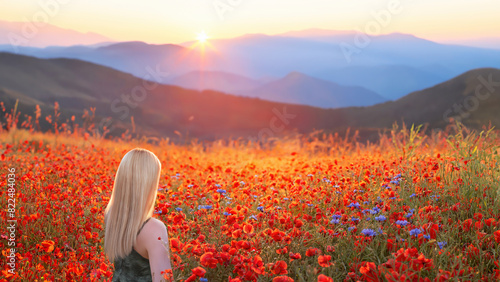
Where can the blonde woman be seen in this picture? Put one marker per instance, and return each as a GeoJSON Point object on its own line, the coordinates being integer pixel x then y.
{"type": "Point", "coordinates": [132, 236]}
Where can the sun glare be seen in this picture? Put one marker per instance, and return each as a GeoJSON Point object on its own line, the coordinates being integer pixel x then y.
{"type": "Point", "coordinates": [202, 37]}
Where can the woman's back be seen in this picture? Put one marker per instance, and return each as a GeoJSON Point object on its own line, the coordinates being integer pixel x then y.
{"type": "Point", "coordinates": [133, 267]}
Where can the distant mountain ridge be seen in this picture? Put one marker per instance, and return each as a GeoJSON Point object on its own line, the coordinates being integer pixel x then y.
{"type": "Point", "coordinates": [298, 88]}
{"type": "Point", "coordinates": [394, 81]}
{"type": "Point", "coordinates": [13, 33]}
{"type": "Point", "coordinates": [215, 80]}
{"type": "Point", "coordinates": [294, 88]}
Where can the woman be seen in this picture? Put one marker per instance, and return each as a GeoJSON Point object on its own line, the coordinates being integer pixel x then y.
{"type": "Point", "coordinates": [133, 240]}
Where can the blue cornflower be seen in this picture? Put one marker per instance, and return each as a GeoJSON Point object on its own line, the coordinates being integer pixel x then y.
{"type": "Point", "coordinates": [375, 210]}
{"type": "Point", "coordinates": [206, 207]}
{"type": "Point", "coordinates": [402, 222]}
{"type": "Point", "coordinates": [355, 205]}
{"type": "Point", "coordinates": [410, 213]}
{"type": "Point", "coordinates": [369, 232]}
{"type": "Point", "coordinates": [227, 213]}
{"type": "Point", "coordinates": [441, 244]}
{"type": "Point", "coordinates": [260, 209]}
{"type": "Point", "coordinates": [428, 237]}
{"type": "Point", "coordinates": [222, 191]}
{"type": "Point", "coordinates": [368, 218]}
{"type": "Point", "coordinates": [354, 219]}
{"type": "Point", "coordinates": [178, 209]}
{"type": "Point", "coordinates": [218, 185]}
{"type": "Point", "coordinates": [415, 232]}
{"type": "Point", "coordinates": [350, 228]}
{"type": "Point", "coordinates": [380, 218]}
{"type": "Point", "coordinates": [203, 279]}
{"type": "Point", "coordinates": [242, 182]}
{"type": "Point", "coordinates": [412, 195]}
{"type": "Point", "coordinates": [335, 221]}
{"type": "Point", "coordinates": [253, 217]}
{"type": "Point", "coordinates": [337, 216]}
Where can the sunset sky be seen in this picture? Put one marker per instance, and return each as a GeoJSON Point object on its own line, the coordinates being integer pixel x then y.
{"type": "Point", "coordinates": [176, 21]}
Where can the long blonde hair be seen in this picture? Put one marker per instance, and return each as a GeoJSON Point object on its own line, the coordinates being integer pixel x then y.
{"type": "Point", "coordinates": [132, 201]}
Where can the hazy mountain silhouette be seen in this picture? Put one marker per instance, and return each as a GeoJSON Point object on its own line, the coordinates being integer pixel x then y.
{"type": "Point", "coordinates": [298, 88]}
{"type": "Point", "coordinates": [32, 34]}
{"type": "Point", "coordinates": [215, 80]}
{"type": "Point", "coordinates": [393, 81]}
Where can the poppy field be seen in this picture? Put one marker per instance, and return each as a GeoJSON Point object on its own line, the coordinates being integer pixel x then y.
{"type": "Point", "coordinates": [411, 207]}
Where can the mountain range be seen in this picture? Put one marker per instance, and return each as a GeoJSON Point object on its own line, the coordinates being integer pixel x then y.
{"type": "Point", "coordinates": [391, 65]}
{"type": "Point", "coordinates": [163, 110]}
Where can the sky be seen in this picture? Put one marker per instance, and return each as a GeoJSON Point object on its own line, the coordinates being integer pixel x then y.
{"type": "Point", "coordinates": [177, 21]}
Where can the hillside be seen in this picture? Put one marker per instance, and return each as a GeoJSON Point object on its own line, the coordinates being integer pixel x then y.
{"type": "Point", "coordinates": [77, 85]}
{"type": "Point", "coordinates": [472, 97]}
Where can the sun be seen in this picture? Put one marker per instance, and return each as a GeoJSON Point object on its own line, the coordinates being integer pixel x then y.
{"type": "Point", "coordinates": [202, 37]}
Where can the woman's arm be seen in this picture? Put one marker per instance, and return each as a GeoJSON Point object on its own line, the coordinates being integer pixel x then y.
{"type": "Point", "coordinates": [158, 250]}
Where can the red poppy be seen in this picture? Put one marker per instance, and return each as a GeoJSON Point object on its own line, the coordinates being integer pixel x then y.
{"type": "Point", "coordinates": [312, 252]}
{"type": "Point", "coordinates": [325, 260]}
{"type": "Point", "coordinates": [279, 267]}
{"type": "Point", "coordinates": [208, 260]}
{"type": "Point", "coordinates": [47, 246]}
{"type": "Point", "coordinates": [282, 279]}
{"type": "Point", "coordinates": [324, 278]}
{"type": "Point", "coordinates": [199, 271]}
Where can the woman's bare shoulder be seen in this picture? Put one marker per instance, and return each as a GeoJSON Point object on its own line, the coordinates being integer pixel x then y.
{"type": "Point", "coordinates": [157, 224]}
{"type": "Point", "coordinates": [154, 227]}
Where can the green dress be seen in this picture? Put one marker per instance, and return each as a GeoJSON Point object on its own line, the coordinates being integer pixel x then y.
{"type": "Point", "coordinates": [133, 267]}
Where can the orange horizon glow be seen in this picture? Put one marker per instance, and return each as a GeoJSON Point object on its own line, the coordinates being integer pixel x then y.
{"type": "Point", "coordinates": [158, 22]}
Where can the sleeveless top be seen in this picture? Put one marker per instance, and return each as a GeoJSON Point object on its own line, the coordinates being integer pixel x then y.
{"type": "Point", "coordinates": [133, 267]}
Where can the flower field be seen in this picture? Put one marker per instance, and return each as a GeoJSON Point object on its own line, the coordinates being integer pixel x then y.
{"type": "Point", "coordinates": [318, 208]}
